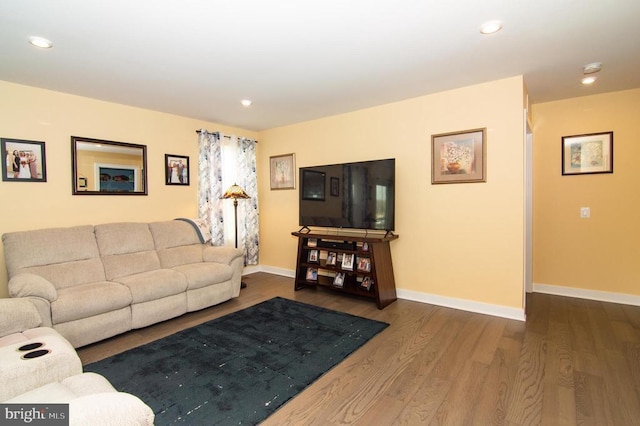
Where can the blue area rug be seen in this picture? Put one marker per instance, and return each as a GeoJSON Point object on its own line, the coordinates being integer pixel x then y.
{"type": "Point", "coordinates": [240, 368]}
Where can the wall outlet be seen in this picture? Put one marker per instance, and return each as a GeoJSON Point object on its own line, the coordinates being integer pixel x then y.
{"type": "Point", "coordinates": [585, 212]}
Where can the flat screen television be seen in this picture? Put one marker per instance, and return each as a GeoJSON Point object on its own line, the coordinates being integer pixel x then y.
{"type": "Point", "coordinates": [358, 195]}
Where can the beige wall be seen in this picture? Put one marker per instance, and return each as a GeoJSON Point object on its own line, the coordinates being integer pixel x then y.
{"type": "Point", "coordinates": [41, 115]}
{"type": "Point", "coordinates": [600, 253]}
{"type": "Point", "coordinates": [462, 241]}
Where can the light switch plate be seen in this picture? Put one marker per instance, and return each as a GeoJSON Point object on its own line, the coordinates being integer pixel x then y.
{"type": "Point", "coordinates": [585, 212]}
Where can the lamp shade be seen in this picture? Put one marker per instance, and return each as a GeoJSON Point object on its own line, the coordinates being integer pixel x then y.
{"type": "Point", "coordinates": [235, 191]}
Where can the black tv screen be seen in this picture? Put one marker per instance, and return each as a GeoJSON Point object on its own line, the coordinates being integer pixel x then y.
{"type": "Point", "coordinates": [350, 195]}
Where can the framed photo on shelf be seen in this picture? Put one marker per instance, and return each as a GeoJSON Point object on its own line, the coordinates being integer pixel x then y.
{"type": "Point", "coordinates": [347, 261]}
{"type": "Point", "coordinates": [312, 242]}
{"type": "Point", "coordinates": [364, 264]}
{"type": "Point", "coordinates": [313, 256]}
{"type": "Point", "coordinates": [176, 169]}
{"type": "Point", "coordinates": [459, 157]}
{"type": "Point", "coordinates": [282, 170]}
{"type": "Point", "coordinates": [24, 162]}
{"type": "Point", "coordinates": [367, 282]}
{"type": "Point", "coordinates": [587, 154]}
{"type": "Point", "coordinates": [338, 280]}
{"type": "Point", "coordinates": [331, 258]}
{"type": "Point", "coordinates": [312, 274]}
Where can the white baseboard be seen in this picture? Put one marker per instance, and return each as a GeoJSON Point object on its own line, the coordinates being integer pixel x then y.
{"type": "Point", "coordinates": [463, 305]}
{"type": "Point", "coordinates": [581, 293]}
{"type": "Point", "coordinates": [449, 302]}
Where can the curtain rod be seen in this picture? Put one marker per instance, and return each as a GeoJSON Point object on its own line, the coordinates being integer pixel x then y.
{"type": "Point", "coordinates": [218, 135]}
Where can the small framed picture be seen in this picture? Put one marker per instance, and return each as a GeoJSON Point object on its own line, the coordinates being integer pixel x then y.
{"type": "Point", "coordinates": [459, 157]}
{"type": "Point", "coordinates": [282, 170]}
{"type": "Point", "coordinates": [331, 258]}
{"type": "Point", "coordinates": [338, 280]}
{"type": "Point", "coordinates": [313, 256]}
{"type": "Point", "coordinates": [364, 264]}
{"type": "Point", "coordinates": [367, 282]}
{"type": "Point", "coordinates": [587, 154]}
{"type": "Point", "coordinates": [312, 242]}
{"type": "Point", "coordinates": [312, 274]}
{"type": "Point", "coordinates": [176, 169]}
{"type": "Point", "coordinates": [25, 161]}
{"type": "Point", "coordinates": [347, 261]}
{"type": "Point", "coordinates": [335, 187]}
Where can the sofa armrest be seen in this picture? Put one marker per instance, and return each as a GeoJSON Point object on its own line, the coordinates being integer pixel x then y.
{"type": "Point", "coordinates": [221, 254]}
{"type": "Point", "coordinates": [17, 315]}
{"type": "Point", "coordinates": [109, 408]}
{"type": "Point", "coordinates": [27, 284]}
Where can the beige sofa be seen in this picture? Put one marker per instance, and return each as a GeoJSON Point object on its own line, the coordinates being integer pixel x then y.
{"type": "Point", "coordinates": [93, 282]}
{"type": "Point", "coordinates": [38, 366]}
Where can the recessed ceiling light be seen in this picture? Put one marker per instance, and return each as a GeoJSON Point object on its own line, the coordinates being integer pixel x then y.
{"type": "Point", "coordinates": [589, 80]}
{"type": "Point", "coordinates": [491, 27]}
{"type": "Point", "coordinates": [246, 102]}
{"type": "Point", "coordinates": [41, 42]}
{"type": "Point", "coordinates": [592, 68]}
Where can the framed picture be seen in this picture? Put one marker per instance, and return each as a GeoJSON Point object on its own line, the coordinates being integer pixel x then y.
{"type": "Point", "coordinates": [312, 274]}
{"type": "Point", "coordinates": [335, 187]}
{"type": "Point", "coordinates": [282, 171]}
{"type": "Point", "coordinates": [587, 154]}
{"type": "Point", "coordinates": [364, 264]}
{"type": "Point", "coordinates": [176, 169]}
{"type": "Point", "coordinates": [25, 161]}
{"type": "Point", "coordinates": [459, 157]}
{"type": "Point", "coordinates": [313, 185]}
{"type": "Point", "coordinates": [347, 261]}
{"type": "Point", "coordinates": [331, 258]}
{"type": "Point", "coordinates": [313, 256]}
{"type": "Point", "coordinates": [338, 280]}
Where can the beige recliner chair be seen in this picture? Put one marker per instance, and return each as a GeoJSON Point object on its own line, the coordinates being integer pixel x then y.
{"type": "Point", "coordinates": [38, 366]}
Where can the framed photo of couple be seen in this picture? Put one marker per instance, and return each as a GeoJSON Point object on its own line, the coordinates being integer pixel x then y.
{"type": "Point", "coordinates": [176, 169]}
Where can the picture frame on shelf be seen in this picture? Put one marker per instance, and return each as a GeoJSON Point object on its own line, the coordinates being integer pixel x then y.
{"type": "Point", "coordinates": [25, 161]}
{"type": "Point", "coordinates": [459, 157]}
{"type": "Point", "coordinates": [176, 169]}
{"type": "Point", "coordinates": [282, 170]}
{"type": "Point", "coordinates": [367, 282]}
{"type": "Point", "coordinates": [347, 261]}
{"type": "Point", "coordinates": [312, 274]}
{"type": "Point", "coordinates": [338, 280]}
{"type": "Point", "coordinates": [313, 256]}
{"type": "Point", "coordinates": [331, 258]}
{"type": "Point", "coordinates": [312, 242]}
{"type": "Point", "coordinates": [364, 264]}
{"type": "Point", "coordinates": [590, 153]}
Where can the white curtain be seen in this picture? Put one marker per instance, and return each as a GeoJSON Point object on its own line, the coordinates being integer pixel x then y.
{"type": "Point", "coordinates": [234, 161]}
{"type": "Point", "coordinates": [210, 185]}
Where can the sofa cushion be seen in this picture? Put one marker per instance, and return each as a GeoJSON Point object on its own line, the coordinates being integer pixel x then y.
{"type": "Point", "coordinates": [25, 249]}
{"type": "Point", "coordinates": [173, 233]}
{"type": "Point", "coordinates": [154, 285]}
{"type": "Point", "coordinates": [182, 255]}
{"type": "Point", "coordinates": [87, 300]}
{"type": "Point", "coordinates": [69, 274]}
{"type": "Point", "coordinates": [126, 249]}
{"type": "Point", "coordinates": [204, 274]}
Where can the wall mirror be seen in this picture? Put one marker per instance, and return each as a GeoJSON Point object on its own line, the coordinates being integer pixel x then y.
{"type": "Point", "coordinates": [102, 167]}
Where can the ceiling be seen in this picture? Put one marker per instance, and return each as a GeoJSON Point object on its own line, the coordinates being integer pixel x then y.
{"type": "Point", "coordinates": [300, 60]}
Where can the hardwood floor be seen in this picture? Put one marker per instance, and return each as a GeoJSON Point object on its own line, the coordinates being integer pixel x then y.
{"type": "Point", "coordinates": [574, 362]}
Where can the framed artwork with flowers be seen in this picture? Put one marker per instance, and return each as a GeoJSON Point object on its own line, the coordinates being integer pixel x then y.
{"type": "Point", "coordinates": [587, 154]}
{"type": "Point", "coordinates": [459, 157]}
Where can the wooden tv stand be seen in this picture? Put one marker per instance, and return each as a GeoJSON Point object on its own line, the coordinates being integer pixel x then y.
{"type": "Point", "coordinates": [371, 271]}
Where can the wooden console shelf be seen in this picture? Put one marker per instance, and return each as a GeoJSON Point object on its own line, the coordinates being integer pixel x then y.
{"type": "Point", "coordinates": [349, 264]}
